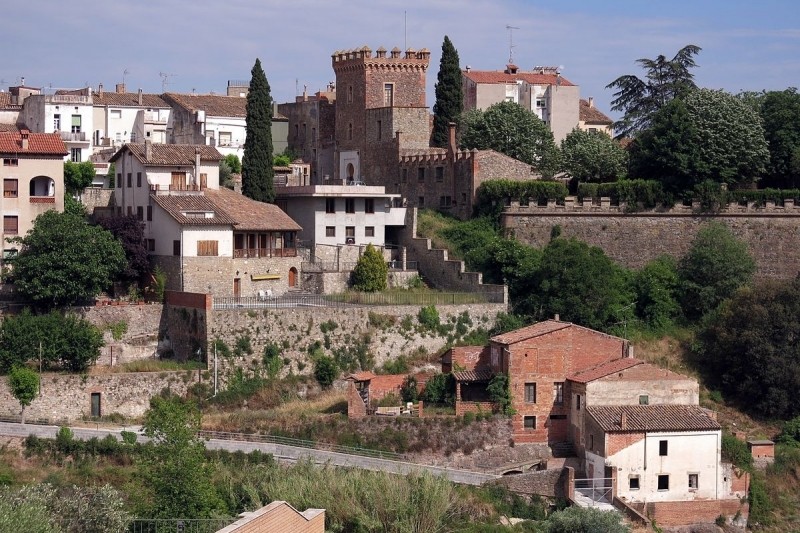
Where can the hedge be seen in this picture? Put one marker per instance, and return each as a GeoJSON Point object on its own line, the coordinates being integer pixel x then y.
{"type": "Point", "coordinates": [493, 195]}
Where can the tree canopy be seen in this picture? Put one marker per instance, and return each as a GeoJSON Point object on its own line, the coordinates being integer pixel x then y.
{"type": "Point", "coordinates": [449, 94]}
{"type": "Point", "coordinates": [371, 271]}
{"type": "Point", "coordinates": [257, 173]}
{"type": "Point", "coordinates": [129, 231]}
{"type": "Point", "coordinates": [665, 79]}
{"type": "Point", "coordinates": [780, 111]}
{"type": "Point", "coordinates": [78, 176]}
{"type": "Point", "coordinates": [64, 260]}
{"type": "Point", "coordinates": [24, 385]}
{"type": "Point", "coordinates": [514, 131]}
{"type": "Point", "coordinates": [593, 156]}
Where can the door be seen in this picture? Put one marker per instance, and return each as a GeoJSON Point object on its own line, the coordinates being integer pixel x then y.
{"type": "Point", "coordinates": [178, 181]}
{"type": "Point", "coordinates": [95, 404]}
{"type": "Point", "coordinates": [237, 287]}
{"type": "Point", "coordinates": [293, 277]}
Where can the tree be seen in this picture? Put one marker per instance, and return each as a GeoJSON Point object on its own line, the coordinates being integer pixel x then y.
{"type": "Point", "coordinates": [232, 160]}
{"type": "Point", "coordinates": [325, 371]}
{"type": "Point", "coordinates": [449, 95]}
{"type": "Point", "coordinates": [513, 130]}
{"type": "Point", "coordinates": [656, 286]}
{"type": "Point", "coordinates": [174, 466]}
{"type": "Point", "coordinates": [78, 176]}
{"type": "Point", "coordinates": [593, 156]}
{"type": "Point", "coordinates": [257, 173]}
{"type": "Point", "coordinates": [584, 520]}
{"type": "Point", "coordinates": [780, 112]}
{"type": "Point", "coordinates": [129, 231]}
{"type": "Point", "coordinates": [64, 260]}
{"type": "Point", "coordinates": [24, 385]}
{"type": "Point", "coordinates": [748, 349]}
{"type": "Point", "coordinates": [639, 99]}
{"type": "Point", "coordinates": [371, 271]}
{"type": "Point", "coordinates": [716, 265]}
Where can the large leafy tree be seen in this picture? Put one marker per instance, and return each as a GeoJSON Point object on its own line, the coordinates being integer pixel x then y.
{"type": "Point", "coordinates": [780, 111]}
{"type": "Point", "coordinates": [24, 384]}
{"type": "Point", "coordinates": [513, 130]}
{"type": "Point", "coordinates": [175, 466]}
{"type": "Point", "coordinates": [664, 80]}
{"type": "Point", "coordinates": [449, 94]}
{"type": "Point", "coordinates": [257, 173]}
{"type": "Point", "coordinates": [129, 231]}
{"type": "Point", "coordinates": [64, 260]}
{"type": "Point", "coordinates": [78, 176]}
{"type": "Point", "coordinates": [593, 156]}
{"type": "Point", "coordinates": [716, 265]}
{"type": "Point", "coordinates": [656, 286]}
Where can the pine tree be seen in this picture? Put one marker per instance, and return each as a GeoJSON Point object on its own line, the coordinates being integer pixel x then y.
{"type": "Point", "coordinates": [449, 94]}
{"type": "Point", "coordinates": [257, 173]}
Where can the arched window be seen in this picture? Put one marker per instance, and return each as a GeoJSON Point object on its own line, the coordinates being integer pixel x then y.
{"type": "Point", "coordinates": [350, 171]}
{"type": "Point", "coordinates": [42, 186]}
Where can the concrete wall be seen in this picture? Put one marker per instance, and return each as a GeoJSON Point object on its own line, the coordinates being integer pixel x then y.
{"type": "Point", "coordinates": [634, 239]}
{"type": "Point", "coordinates": [627, 392]}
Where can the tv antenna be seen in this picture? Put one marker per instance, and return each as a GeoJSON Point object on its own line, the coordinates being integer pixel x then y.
{"type": "Point", "coordinates": [511, 43]}
{"type": "Point", "coordinates": [165, 80]}
{"type": "Point", "coordinates": [124, 73]}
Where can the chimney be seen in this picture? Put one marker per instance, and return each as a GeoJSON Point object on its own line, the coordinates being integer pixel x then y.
{"type": "Point", "coordinates": [591, 102]}
{"type": "Point", "coordinates": [24, 135]}
{"type": "Point", "coordinates": [120, 88]}
{"type": "Point", "coordinates": [557, 317]}
{"type": "Point", "coordinates": [197, 162]}
{"type": "Point", "coordinates": [623, 420]}
{"type": "Point", "coordinates": [451, 145]}
{"type": "Point", "coordinates": [140, 97]}
{"type": "Point", "coordinates": [148, 150]}
{"type": "Point", "coordinates": [100, 90]}
{"type": "Point", "coordinates": [305, 93]}
{"type": "Point", "coordinates": [22, 81]}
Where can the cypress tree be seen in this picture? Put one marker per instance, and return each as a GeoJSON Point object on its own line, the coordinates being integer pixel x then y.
{"type": "Point", "coordinates": [257, 173]}
{"type": "Point", "coordinates": [449, 94]}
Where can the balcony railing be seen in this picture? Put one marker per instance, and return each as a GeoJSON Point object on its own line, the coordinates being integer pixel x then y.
{"type": "Point", "coordinates": [43, 199]}
{"type": "Point", "coordinates": [155, 187]}
{"type": "Point", "coordinates": [153, 118]}
{"type": "Point", "coordinates": [69, 136]}
{"type": "Point", "coordinates": [251, 253]}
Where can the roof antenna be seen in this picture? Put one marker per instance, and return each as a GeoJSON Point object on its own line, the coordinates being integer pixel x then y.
{"type": "Point", "coordinates": [165, 80]}
{"type": "Point", "coordinates": [405, 30]}
{"type": "Point", "coordinates": [511, 43]}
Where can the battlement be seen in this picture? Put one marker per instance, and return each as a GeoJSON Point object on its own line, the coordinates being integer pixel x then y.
{"type": "Point", "coordinates": [432, 156]}
{"type": "Point", "coordinates": [363, 58]}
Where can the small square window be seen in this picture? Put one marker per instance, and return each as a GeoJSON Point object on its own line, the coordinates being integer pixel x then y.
{"type": "Point", "coordinates": [421, 174]}
{"type": "Point", "coordinates": [350, 205]}
{"type": "Point", "coordinates": [330, 231]}
{"type": "Point", "coordinates": [693, 481]}
{"type": "Point", "coordinates": [662, 448]}
{"type": "Point", "coordinates": [529, 422]}
{"type": "Point", "coordinates": [530, 393]}
{"type": "Point", "coordinates": [369, 205]}
{"type": "Point", "coordinates": [663, 482]}
{"type": "Point", "coordinates": [369, 231]}
{"type": "Point", "coordinates": [350, 231]}
{"type": "Point", "coordinates": [330, 205]}
{"type": "Point", "coordinates": [633, 483]}
{"type": "Point", "coordinates": [644, 399]}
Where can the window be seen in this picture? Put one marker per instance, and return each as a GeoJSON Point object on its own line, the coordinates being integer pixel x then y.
{"type": "Point", "coordinates": [591, 441]}
{"type": "Point", "coordinates": [644, 399]}
{"type": "Point", "coordinates": [149, 213]}
{"type": "Point", "coordinates": [95, 401]}
{"type": "Point", "coordinates": [663, 482]}
{"type": "Point", "coordinates": [421, 201]}
{"type": "Point", "coordinates": [57, 122]}
{"type": "Point", "coordinates": [529, 422]}
{"type": "Point", "coordinates": [330, 205]}
{"type": "Point", "coordinates": [313, 136]}
{"type": "Point", "coordinates": [633, 483]}
{"type": "Point", "coordinates": [578, 402]}
{"type": "Point", "coordinates": [130, 210]}
{"type": "Point", "coordinates": [662, 448]}
{"type": "Point", "coordinates": [404, 176]}
{"type": "Point", "coordinates": [206, 248]}
{"type": "Point", "coordinates": [369, 231]}
{"type": "Point", "coordinates": [558, 392]}
{"type": "Point", "coordinates": [439, 174]}
{"type": "Point", "coordinates": [130, 178]}
{"type": "Point", "coordinates": [75, 155]}
{"type": "Point", "coordinates": [693, 479]}
{"type": "Point", "coordinates": [530, 392]}
{"type": "Point", "coordinates": [369, 205]}
{"type": "Point", "coordinates": [350, 131]}
{"type": "Point", "coordinates": [151, 245]}
{"type": "Point", "coordinates": [139, 213]}
{"type": "Point", "coordinates": [350, 205]}
{"type": "Point", "coordinates": [558, 417]}
{"type": "Point", "coordinates": [421, 174]}
{"type": "Point", "coordinates": [10, 188]}
{"type": "Point", "coordinates": [350, 94]}
{"type": "Point", "coordinates": [138, 179]}
{"type": "Point", "coordinates": [541, 103]}
{"type": "Point", "coordinates": [388, 94]}
{"type": "Point", "coordinates": [592, 129]}
{"type": "Point", "coordinates": [10, 224]}
{"type": "Point", "coordinates": [330, 231]}
{"type": "Point", "coordinates": [118, 181]}
{"type": "Point", "coordinates": [224, 138]}
{"type": "Point", "coordinates": [350, 231]}
{"type": "Point", "coordinates": [10, 162]}
{"type": "Point", "coordinates": [297, 130]}
{"type": "Point", "coordinates": [445, 201]}
{"type": "Point", "coordinates": [176, 247]}
{"type": "Point", "coordinates": [116, 113]}
{"type": "Point", "coordinates": [76, 124]}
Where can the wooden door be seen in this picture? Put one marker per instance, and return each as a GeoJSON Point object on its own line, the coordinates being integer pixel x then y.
{"type": "Point", "coordinates": [237, 287]}
{"type": "Point", "coordinates": [178, 181]}
{"type": "Point", "coordinates": [96, 405]}
{"type": "Point", "coordinates": [293, 277]}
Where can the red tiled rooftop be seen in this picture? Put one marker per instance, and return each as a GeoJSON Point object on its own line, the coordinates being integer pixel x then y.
{"type": "Point", "coordinates": [605, 369]}
{"type": "Point", "coordinates": [501, 76]}
{"type": "Point", "coordinates": [166, 155]}
{"type": "Point", "coordinates": [250, 214]}
{"type": "Point", "coordinates": [534, 330]}
{"type": "Point", "coordinates": [177, 205]}
{"type": "Point", "coordinates": [214, 105]}
{"type": "Point", "coordinates": [653, 418]}
{"type": "Point", "coordinates": [480, 374]}
{"type": "Point", "coordinates": [38, 144]}
{"type": "Point", "coordinates": [592, 115]}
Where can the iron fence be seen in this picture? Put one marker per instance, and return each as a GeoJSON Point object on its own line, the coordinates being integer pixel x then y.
{"type": "Point", "coordinates": [355, 299]}
{"type": "Point", "coordinates": [179, 525]}
{"type": "Point", "coordinates": [347, 266]}
{"type": "Point", "coordinates": [595, 489]}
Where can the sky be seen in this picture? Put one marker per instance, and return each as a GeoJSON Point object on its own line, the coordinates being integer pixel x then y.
{"type": "Point", "coordinates": [186, 45]}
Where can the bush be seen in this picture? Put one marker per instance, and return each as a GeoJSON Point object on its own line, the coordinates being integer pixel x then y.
{"type": "Point", "coordinates": [428, 317]}
{"type": "Point", "coordinates": [439, 389]}
{"type": "Point", "coordinates": [409, 391]}
{"type": "Point", "coordinates": [500, 393]}
{"type": "Point", "coordinates": [272, 360]}
{"type": "Point", "coordinates": [736, 451]}
{"type": "Point", "coordinates": [371, 271]}
{"type": "Point", "coordinates": [646, 194]}
{"type": "Point", "coordinates": [493, 195]}
{"type": "Point", "coordinates": [325, 371]}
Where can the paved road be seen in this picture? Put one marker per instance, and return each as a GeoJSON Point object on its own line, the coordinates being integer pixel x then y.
{"type": "Point", "coordinates": [280, 451]}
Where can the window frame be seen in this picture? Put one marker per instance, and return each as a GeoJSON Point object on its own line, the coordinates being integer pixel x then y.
{"type": "Point", "coordinates": [369, 205]}
{"type": "Point", "coordinates": [10, 188]}
{"type": "Point", "coordinates": [638, 483]}
{"type": "Point", "coordinates": [529, 426]}
{"type": "Point", "coordinates": [530, 392]}
{"type": "Point", "coordinates": [330, 231]}
{"type": "Point", "coordinates": [694, 477]}
{"type": "Point", "coordinates": [558, 392]}
{"type": "Point", "coordinates": [369, 231]}
{"type": "Point", "coordinates": [663, 482]}
{"type": "Point", "coordinates": [663, 448]}
{"type": "Point", "coordinates": [330, 206]}
{"type": "Point", "coordinates": [350, 205]}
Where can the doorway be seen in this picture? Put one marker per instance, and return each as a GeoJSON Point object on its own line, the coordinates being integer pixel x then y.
{"type": "Point", "coordinates": [96, 405]}
{"type": "Point", "coordinates": [293, 277]}
{"type": "Point", "coordinates": [237, 287]}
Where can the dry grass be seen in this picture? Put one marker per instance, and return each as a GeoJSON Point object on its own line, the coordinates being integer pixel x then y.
{"type": "Point", "coordinates": [147, 365]}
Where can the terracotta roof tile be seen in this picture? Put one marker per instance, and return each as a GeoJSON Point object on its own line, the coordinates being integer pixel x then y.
{"type": "Point", "coordinates": [249, 214]}
{"type": "Point", "coordinates": [38, 144]}
{"type": "Point", "coordinates": [166, 155]}
{"type": "Point", "coordinates": [646, 372]}
{"type": "Point", "coordinates": [592, 115]}
{"type": "Point", "coordinates": [128, 100]}
{"type": "Point", "coordinates": [479, 374]}
{"type": "Point", "coordinates": [605, 369]}
{"type": "Point", "coordinates": [214, 105]}
{"type": "Point", "coordinates": [8, 127]}
{"type": "Point", "coordinates": [361, 376]}
{"type": "Point", "coordinates": [500, 76]}
{"type": "Point", "coordinates": [534, 330]}
{"type": "Point", "coordinates": [653, 418]}
{"type": "Point", "coordinates": [177, 205]}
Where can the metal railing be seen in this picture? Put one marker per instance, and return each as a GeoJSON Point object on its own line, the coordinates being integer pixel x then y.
{"type": "Point", "coordinates": [595, 489]}
{"type": "Point", "coordinates": [346, 266]}
{"type": "Point", "coordinates": [179, 525]}
{"type": "Point", "coordinates": [355, 299]}
{"type": "Point", "coordinates": [241, 253]}
{"type": "Point", "coordinates": [78, 136]}
{"type": "Point", "coordinates": [299, 443]}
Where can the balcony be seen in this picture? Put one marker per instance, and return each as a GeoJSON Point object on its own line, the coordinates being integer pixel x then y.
{"type": "Point", "coordinates": [43, 199]}
{"type": "Point", "coordinates": [74, 137]}
{"type": "Point", "coordinates": [253, 253]}
{"type": "Point", "coordinates": [167, 189]}
{"type": "Point", "coordinates": [153, 118]}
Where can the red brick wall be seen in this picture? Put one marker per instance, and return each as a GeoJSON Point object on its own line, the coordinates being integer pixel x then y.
{"type": "Point", "coordinates": [619, 441]}
{"type": "Point", "coordinates": [692, 512]}
{"type": "Point", "coordinates": [473, 407]}
{"type": "Point", "coordinates": [355, 404]}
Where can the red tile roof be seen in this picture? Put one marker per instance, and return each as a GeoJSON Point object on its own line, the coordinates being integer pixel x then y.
{"type": "Point", "coordinates": [361, 376]}
{"type": "Point", "coordinates": [167, 155]}
{"type": "Point", "coordinates": [500, 76]}
{"type": "Point", "coordinates": [249, 214]}
{"type": "Point", "coordinates": [214, 105]}
{"type": "Point", "coordinates": [603, 370]}
{"type": "Point", "coordinates": [534, 330]}
{"type": "Point", "coordinates": [128, 100]}
{"type": "Point", "coordinates": [653, 418]}
{"type": "Point", "coordinates": [38, 144]}
{"type": "Point", "coordinates": [592, 115]}
{"type": "Point", "coordinates": [177, 205]}
{"type": "Point", "coordinates": [479, 374]}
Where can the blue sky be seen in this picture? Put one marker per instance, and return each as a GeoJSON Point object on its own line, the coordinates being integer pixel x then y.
{"type": "Point", "coordinates": [200, 44]}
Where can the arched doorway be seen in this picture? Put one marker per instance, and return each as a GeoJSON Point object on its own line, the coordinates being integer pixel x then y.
{"type": "Point", "coordinates": [293, 277]}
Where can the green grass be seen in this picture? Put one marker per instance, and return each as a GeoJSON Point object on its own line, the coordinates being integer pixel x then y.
{"type": "Point", "coordinates": [159, 365]}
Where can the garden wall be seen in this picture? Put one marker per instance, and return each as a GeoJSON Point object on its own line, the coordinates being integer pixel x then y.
{"type": "Point", "coordinates": [138, 329]}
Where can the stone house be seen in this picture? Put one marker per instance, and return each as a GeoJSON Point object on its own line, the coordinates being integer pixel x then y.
{"type": "Point", "coordinates": [592, 119]}
{"type": "Point", "coordinates": [312, 123]}
{"type": "Point", "coordinates": [206, 238]}
{"type": "Point", "coordinates": [33, 180]}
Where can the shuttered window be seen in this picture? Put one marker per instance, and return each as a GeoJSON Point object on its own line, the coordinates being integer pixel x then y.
{"type": "Point", "coordinates": [10, 225]}
{"type": "Point", "coordinates": [206, 248]}
{"type": "Point", "coordinates": [10, 188]}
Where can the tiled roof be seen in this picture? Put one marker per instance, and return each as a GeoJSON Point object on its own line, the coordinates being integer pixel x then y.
{"type": "Point", "coordinates": [38, 143]}
{"type": "Point", "coordinates": [480, 374]}
{"type": "Point", "coordinates": [214, 105]}
{"type": "Point", "coordinates": [177, 205]}
{"type": "Point", "coordinates": [128, 100]}
{"type": "Point", "coordinates": [500, 76]}
{"type": "Point", "coordinates": [361, 376]}
{"type": "Point", "coordinates": [653, 418]}
{"type": "Point", "coordinates": [8, 127]}
{"type": "Point", "coordinates": [249, 214]}
{"type": "Point", "coordinates": [540, 328]}
{"type": "Point", "coordinates": [646, 372]}
{"type": "Point", "coordinates": [604, 370]}
{"type": "Point", "coordinates": [167, 155]}
{"type": "Point", "coordinates": [457, 352]}
{"type": "Point", "coordinates": [592, 115]}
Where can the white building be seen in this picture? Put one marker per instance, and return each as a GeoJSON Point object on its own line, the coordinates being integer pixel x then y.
{"type": "Point", "coordinates": [121, 117]}
{"type": "Point", "coordinates": [69, 115]}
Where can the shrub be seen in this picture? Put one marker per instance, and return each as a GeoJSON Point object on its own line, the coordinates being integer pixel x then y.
{"type": "Point", "coordinates": [439, 389]}
{"type": "Point", "coordinates": [736, 451]}
{"type": "Point", "coordinates": [325, 371]}
{"type": "Point", "coordinates": [243, 346]}
{"type": "Point", "coordinates": [272, 359]}
{"type": "Point", "coordinates": [409, 391]}
{"type": "Point", "coordinates": [500, 393]}
{"type": "Point", "coordinates": [371, 271]}
{"type": "Point", "coordinates": [429, 317]}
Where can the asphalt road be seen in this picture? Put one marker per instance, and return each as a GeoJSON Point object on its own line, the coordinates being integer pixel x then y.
{"type": "Point", "coordinates": [279, 451]}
